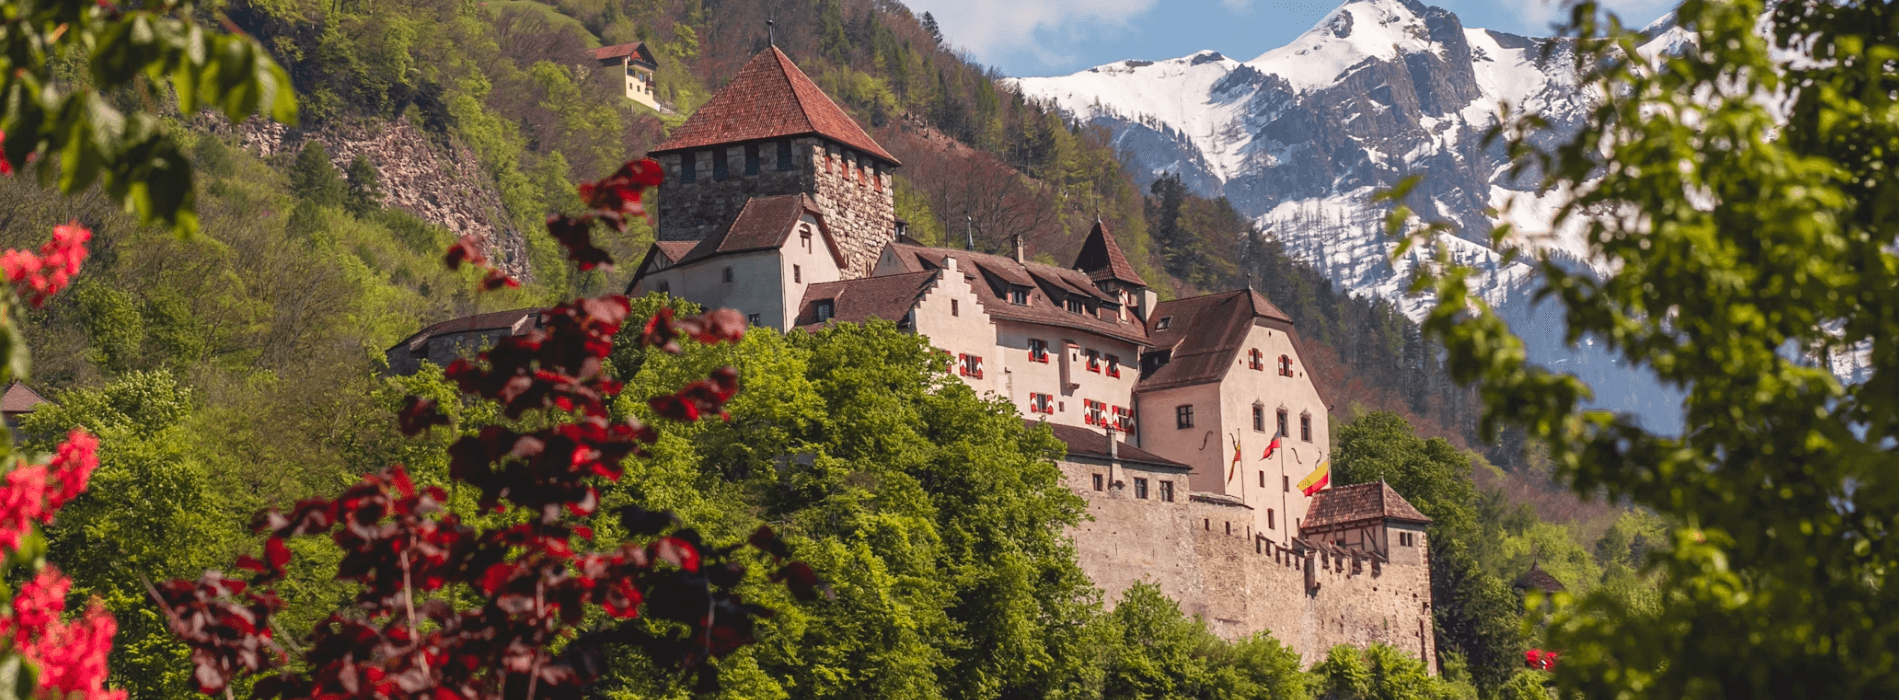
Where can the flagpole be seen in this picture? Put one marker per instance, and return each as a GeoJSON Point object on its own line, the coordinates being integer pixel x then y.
{"type": "Point", "coordinates": [1283, 501]}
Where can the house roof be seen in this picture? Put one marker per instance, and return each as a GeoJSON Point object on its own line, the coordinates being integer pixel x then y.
{"type": "Point", "coordinates": [1049, 286]}
{"type": "Point", "coordinates": [20, 398]}
{"type": "Point", "coordinates": [1539, 579]}
{"type": "Point", "coordinates": [770, 99]}
{"type": "Point", "coordinates": [1358, 503]}
{"type": "Point", "coordinates": [1091, 444]}
{"type": "Point", "coordinates": [1205, 333]}
{"type": "Point", "coordinates": [1102, 259]}
{"type": "Point", "coordinates": [516, 321]}
{"type": "Point", "coordinates": [855, 301]}
{"type": "Point", "coordinates": [635, 49]}
{"type": "Point", "coordinates": [763, 224]}
{"type": "Point", "coordinates": [675, 251]}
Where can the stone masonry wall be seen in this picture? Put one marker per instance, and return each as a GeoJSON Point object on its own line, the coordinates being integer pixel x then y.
{"type": "Point", "coordinates": [1241, 584]}
{"type": "Point", "coordinates": [852, 190]}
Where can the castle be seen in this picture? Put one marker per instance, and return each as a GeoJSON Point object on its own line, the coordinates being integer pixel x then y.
{"type": "Point", "coordinates": [777, 204]}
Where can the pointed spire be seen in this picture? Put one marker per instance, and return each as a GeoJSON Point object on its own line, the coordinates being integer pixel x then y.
{"type": "Point", "coordinates": [1101, 258]}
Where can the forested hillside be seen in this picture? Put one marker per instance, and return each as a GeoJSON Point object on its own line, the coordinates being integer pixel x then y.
{"type": "Point", "coordinates": [241, 368]}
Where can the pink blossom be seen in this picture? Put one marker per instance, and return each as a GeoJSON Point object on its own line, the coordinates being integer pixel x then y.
{"type": "Point", "coordinates": [72, 465]}
{"type": "Point", "coordinates": [72, 657]}
{"type": "Point", "coordinates": [22, 501]}
{"type": "Point", "coordinates": [36, 608]}
{"type": "Point", "coordinates": [5, 167]}
{"type": "Point", "coordinates": [41, 276]}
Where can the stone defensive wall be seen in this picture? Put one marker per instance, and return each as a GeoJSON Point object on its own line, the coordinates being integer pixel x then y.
{"type": "Point", "coordinates": [1201, 552]}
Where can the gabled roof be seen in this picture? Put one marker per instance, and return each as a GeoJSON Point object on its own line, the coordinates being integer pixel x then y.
{"type": "Point", "coordinates": [770, 99]}
{"type": "Point", "coordinates": [1540, 580]}
{"type": "Point", "coordinates": [1048, 284]}
{"type": "Point", "coordinates": [1102, 259]}
{"type": "Point", "coordinates": [512, 322]}
{"type": "Point", "coordinates": [636, 49]}
{"type": "Point", "coordinates": [1371, 501]}
{"type": "Point", "coordinates": [1091, 444]}
{"type": "Point", "coordinates": [763, 224]}
{"type": "Point", "coordinates": [855, 301]}
{"type": "Point", "coordinates": [1205, 333]}
{"type": "Point", "coordinates": [20, 398]}
{"type": "Point", "coordinates": [674, 251]}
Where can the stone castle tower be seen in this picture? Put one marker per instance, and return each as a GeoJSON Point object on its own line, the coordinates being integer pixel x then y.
{"type": "Point", "coordinates": [769, 132]}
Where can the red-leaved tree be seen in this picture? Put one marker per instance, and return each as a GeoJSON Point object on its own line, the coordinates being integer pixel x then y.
{"type": "Point", "coordinates": [447, 609]}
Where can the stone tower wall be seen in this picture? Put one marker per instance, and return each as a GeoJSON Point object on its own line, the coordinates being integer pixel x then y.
{"type": "Point", "coordinates": [852, 190]}
{"type": "Point", "coordinates": [1239, 583]}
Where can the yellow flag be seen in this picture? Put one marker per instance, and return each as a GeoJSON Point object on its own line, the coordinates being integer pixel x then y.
{"type": "Point", "coordinates": [1317, 479]}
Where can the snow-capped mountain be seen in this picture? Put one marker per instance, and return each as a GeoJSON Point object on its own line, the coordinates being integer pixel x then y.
{"type": "Point", "coordinates": [1303, 135]}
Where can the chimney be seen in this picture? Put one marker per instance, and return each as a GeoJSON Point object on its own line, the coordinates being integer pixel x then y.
{"type": "Point", "coordinates": [1017, 239]}
{"type": "Point", "coordinates": [1114, 446]}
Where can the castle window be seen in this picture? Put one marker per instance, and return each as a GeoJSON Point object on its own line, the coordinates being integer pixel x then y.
{"type": "Point", "coordinates": [784, 155]}
{"type": "Point", "coordinates": [726, 275]}
{"type": "Point", "coordinates": [1262, 479]}
{"type": "Point", "coordinates": [1124, 419]}
{"type": "Point", "coordinates": [720, 170]}
{"type": "Point", "coordinates": [1114, 366]}
{"type": "Point", "coordinates": [1285, 366]}
{"type": "Point", "coordinates": [1270, 525]}
{"type": "Point", "coordinates": [1140, 488]}
{"type": "Point", "coordinates": [825, 309]}
{"type": "Point", "coordinates": [1183, 416]}
{"type": "Point", "coordinates": [955, 308]}
{"type": "Point", "coordinates": [797, 274]}
{"type": "Point", "coordinates": [1206, 524]}
{"type": "Point", "coordinates": [751, 319]}
{"type": "Point", "coordinates": [1038, 351]}
{"type": "Point", "coordinates": [689, 167]}
{"type": "Point", "coordinates": [1256, 360]}
{"type": "Point", "coordinates": [1229, 527]}
{"type": "Point", "coordinates": [1285, 483]}
{"type": "Point", "coordinates": [1259, 418]}
{"type": "Point", "coordinates": [1074, 306]}
{"type": "Point", "coordinates": [751, 159]}
{"type": "Point", "coordinates": [1282, 421]}
{"type": "Point", "coordinates": [1097, 482]}
{"type": "Point", "coordinates": [1041, 403]}
{"type": "Point", "coordinates": [1162, 324]}
{"type": "Point", "coordinates": [1094, 361]}
{"type": "Point", "coordinates": [664, 287]}
{"type": "Point", "coordinates": [1305, 427]}
{"type": "Point", "coordinates": [1018, 296]}
{"type": "Point", "coordinates": [1167, 491]}
{"type": "Point", "coordinates": [804, 236]}
{"type": "Point", "coordinates": [971, 366]}
{"type": "Point", "coordinates": [1092, 412]}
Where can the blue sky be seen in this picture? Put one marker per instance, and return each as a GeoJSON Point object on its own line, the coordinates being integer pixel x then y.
{"type": "Point", "coordinates": [1058, 37]}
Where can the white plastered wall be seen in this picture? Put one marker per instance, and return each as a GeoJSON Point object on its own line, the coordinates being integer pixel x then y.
{"type": "Point", "coordinates": [966, 331]}
{"type": "Point", "coordinates": [813, 263]}
{"type": "Point", "coordinates": [1297, 457]}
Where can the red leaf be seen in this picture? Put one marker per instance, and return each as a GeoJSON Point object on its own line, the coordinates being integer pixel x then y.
{"type": "Point", "coordinates": [276, 553]}
{"type": "Point", "coordinates": [419, 414]}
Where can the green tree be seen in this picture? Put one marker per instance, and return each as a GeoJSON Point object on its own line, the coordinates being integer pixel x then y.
{"type": "Point", "coordinates": [365, 187]}
{"type": "Point", "coordinates": [313, 177]}
{"type": "Point", "coordinates": [1741, 190]}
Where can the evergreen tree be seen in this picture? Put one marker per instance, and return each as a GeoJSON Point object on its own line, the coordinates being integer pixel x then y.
{"type": "Point", "coordinates": [365, 188]}
{"type": "Point", "coordinates": [313, 177]}
{"type": "Point", "coordinates": [929, 25]}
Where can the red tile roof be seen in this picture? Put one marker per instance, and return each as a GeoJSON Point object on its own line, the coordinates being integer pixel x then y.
{"type": "Point", "coordinates": [763, 224]}
{"type": "Point", "coordinates": [770, 99]}
{"type": "Point", "coordinates": [890, 298]}
{"type": "Point", "coordinates": [635, 49]}
{"type": "Point", "coordinates": [1359, 503]}
{"type": "Point", "coordinates": [1049, 285]}
{"type": "Point", "coordinates": [675, 250]}
{"type": "Point", "coordinates": [20, 398]}
{"type": "Point", "coordinates": [1540, 580]}
{"type": "Point", "coordinates": [1205, 333]}
{"type": "Point", "coordinates": [1102, 259]}
{"type": "Point", "coordinates": [1083, 442]}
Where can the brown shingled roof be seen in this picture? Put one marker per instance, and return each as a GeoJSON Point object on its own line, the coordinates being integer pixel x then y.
{"type": "Point", "coordinates": [1205, 333]}
{"type": "Point", "coordinates": [1539, 579]}
{"type": "Point", "coordinates": [763, 224]}
{"type": "Point", "coordinates": [1359, 502]}
{"type": "Point", "coordinates": [1102, 259]}
{"type": "Point", "coordinates": [1083, 442]}
{"type": "Point", "coordinates": [770, 99]}
{"type": "Point", "coordinates": [1048, 283]}
{"type": "Point", "coordinates": [20, 398]}
{"type": "Point", "coordinates": [635, 49]}
{"type": "Point", "coordinates": [518, 320]}
{"type": "Point", "coordinates": [855, 301]}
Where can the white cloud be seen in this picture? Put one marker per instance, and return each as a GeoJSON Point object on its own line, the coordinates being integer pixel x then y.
{"type": "Point", "coordinates": [991, 28]}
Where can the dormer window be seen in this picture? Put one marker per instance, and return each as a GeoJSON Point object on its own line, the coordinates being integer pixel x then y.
{"type": "Point", "coordinates": [1074, 305]}
{"type": "Point", "coordinates": [1162, 324]}
{"type": "Point", "coordinates": [825, 309]}
{"type": "Point", "coordinates": [1018, 296]}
